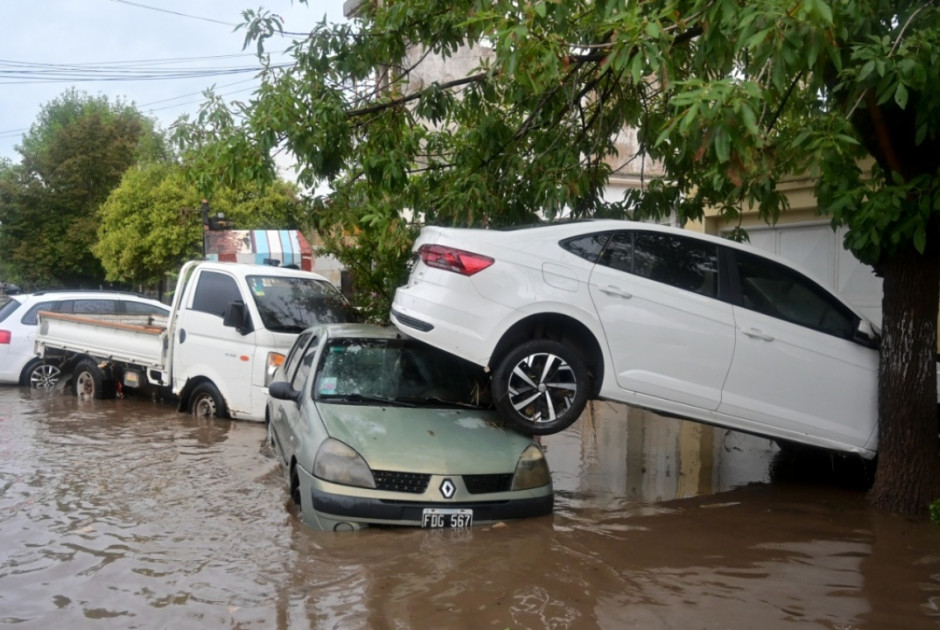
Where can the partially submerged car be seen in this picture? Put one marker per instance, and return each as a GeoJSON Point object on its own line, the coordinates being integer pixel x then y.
{"type": "Point", "coordinates": [19, 319]}
{"type": "Point", "coordinates": [374, 428]}
{"type": "Point", "coordinates": [686, 324]}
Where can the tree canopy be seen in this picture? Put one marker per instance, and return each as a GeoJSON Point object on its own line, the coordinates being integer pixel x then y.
{"type": "Point", "coordinates": [152, 222]}
{"type": "Point", "coordinates": [727, 99]}
{"type": "Point", "coordinates": [71, 158]}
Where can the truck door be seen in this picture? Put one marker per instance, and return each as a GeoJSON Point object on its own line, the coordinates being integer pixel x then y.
{"type": "Point", "coordinates": [206, 348]}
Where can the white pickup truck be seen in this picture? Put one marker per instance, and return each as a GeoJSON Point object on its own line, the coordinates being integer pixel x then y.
{"type": "Point", "coordinates": [229, 328]}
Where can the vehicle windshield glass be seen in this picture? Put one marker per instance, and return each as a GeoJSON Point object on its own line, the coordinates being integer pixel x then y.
{"type": "Point", "coordinates": [291, 304]}
{"type": "Point", "coordinates": [404, 371]}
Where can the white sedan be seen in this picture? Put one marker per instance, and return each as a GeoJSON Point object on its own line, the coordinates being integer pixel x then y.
{"type": "Point", "coordinates": [683, 323]}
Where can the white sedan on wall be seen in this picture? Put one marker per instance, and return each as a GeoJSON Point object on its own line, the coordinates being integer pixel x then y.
{"type": "Point", "coordinates": [683, 323]}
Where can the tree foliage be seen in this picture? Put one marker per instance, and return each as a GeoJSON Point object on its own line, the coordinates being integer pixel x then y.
{"type": "Point", "coordinates": [727, 98]}
{"type": "Point", "coordinates": [71, 158]}
{"type": "Point", "coordinates": [152, 221]}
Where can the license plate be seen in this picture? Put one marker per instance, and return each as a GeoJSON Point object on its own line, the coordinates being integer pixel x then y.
{"type": "Point", "coordinates": [131, 379]}
{"type": "Point", "coordinates": [445, 518]}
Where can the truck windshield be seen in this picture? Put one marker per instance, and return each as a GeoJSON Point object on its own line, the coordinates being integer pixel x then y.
{"type": "Point", "coordinates": [293, 304]}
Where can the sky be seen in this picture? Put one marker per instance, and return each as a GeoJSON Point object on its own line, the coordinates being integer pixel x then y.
{"type": "Point", "coordinates": [106, 47]}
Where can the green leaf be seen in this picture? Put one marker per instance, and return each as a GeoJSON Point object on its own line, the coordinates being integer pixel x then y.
{"type": "Point", "coordinates": [901, 96]}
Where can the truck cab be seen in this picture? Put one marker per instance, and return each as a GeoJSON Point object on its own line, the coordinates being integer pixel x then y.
{"type": "Point", "coordinates": [231, 326]}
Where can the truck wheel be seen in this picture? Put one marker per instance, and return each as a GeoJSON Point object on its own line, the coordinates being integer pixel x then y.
{"type": "Point", "coordinates": [207, 402]}
{"type": "Point", "coordinates": [541, 387]}
{"type": "Point", "coordinates": [89, 381]}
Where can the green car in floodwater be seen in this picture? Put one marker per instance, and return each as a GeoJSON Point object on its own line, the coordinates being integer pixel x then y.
{"type": "Point", "coordinates": [375, 428]}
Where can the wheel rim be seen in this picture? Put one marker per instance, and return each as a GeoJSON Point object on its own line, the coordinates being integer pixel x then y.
{"type": "Point", "coordinates": [542, 387]}
{"type": "Point", "coordinates": [44, 376]}
{"type": "Point", "coordinates": [204, 406]}
{"type": "Point", "coordinates": [85, 385]}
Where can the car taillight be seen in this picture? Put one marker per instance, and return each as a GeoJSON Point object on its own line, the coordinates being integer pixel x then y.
{"type": "Point", "coordinates": [452, 259]}
{"type": "Point", "coordinates": [5, 336]}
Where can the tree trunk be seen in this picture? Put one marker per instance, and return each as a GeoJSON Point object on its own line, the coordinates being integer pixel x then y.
{"type": "Point", "coordinates": [908, 475]}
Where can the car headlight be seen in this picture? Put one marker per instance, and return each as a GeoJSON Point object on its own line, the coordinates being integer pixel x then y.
{"type": "Point", "coordinates": [531, 470]}
{"type": "Point", "coordinates": [339, 463]}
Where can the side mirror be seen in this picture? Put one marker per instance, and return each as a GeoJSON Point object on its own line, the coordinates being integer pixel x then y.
{"type": "Point", "coordinates": [237, 316]}
{"type": "Point", "coordinates": [282, 390]}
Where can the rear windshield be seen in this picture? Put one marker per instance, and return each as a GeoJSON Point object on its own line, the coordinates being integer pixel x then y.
{"type": "Point", "coordinates": [293, 304]}
{"type": "Point", "coordinates": [7, 306]}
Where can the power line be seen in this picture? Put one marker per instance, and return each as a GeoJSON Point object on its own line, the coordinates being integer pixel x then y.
{"type": "Point", "coordinates": [161, 10]}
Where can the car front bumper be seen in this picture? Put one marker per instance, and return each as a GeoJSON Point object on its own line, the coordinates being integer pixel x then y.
{"type": "Point", "coordinates": [325, 505]}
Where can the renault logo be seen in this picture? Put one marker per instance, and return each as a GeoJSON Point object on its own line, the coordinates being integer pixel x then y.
{"type": "Point", "coordinates": [448, 488]}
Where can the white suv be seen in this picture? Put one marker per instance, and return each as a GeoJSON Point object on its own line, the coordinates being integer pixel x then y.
{"type": "Point", "coordinates": [19, 364]}
{"type": "Point", "coordinates": [683, 323]}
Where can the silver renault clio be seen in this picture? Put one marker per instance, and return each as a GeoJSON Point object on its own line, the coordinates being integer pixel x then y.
{"type": "Point", "coordinates": [374, 428]}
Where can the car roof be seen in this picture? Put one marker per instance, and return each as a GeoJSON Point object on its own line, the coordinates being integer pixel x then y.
{"type": "Point", "coordinates": [70, 294]}
{"type": "Point", "coordinates": [248, 269]}
{"type": "Point", "coordinates": [572, 228]}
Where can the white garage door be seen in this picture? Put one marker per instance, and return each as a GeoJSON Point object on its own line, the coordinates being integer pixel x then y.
{"type": "Point", "coordinates": [818, 250]}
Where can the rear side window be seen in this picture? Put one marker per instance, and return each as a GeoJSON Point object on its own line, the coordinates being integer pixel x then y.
{"type": "Point", "coordinates": [776, 290]}
{"type": "Point", "coordinates": [214, 292]}
{"type": "Point", "coordinates": [7, 308]}
{"type": "Point", "coordinates": [89, 307]}
{"type": "Point", "coordinates": [32, 315]}
{"type": "Point", "coordinates": [685, 263]}
{"type": "Point", "coordinates": [588, 247]}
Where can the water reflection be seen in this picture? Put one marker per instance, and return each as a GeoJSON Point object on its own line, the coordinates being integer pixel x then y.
{"type": "Point", "coordinates": [126, 514]}
{"type": "Point", "coordinates": [633, 456]}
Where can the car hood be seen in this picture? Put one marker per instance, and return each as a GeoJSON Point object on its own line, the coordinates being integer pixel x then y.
{"type": "Point", "coordinates": [433, 441]}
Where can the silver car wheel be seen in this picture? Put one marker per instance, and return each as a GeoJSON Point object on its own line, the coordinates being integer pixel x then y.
{"type": "Point", "coordinates": [44, 376]}
{"type": "Point", "coordinates": [541, 387]}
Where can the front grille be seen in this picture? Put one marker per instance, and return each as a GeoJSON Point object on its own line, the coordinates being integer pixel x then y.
{"type": "Point", "coordinates": [482, 484]}
{"type": "Point", "coordinates": [392, 481]}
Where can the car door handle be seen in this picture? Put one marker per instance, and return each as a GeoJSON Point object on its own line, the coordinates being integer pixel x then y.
{"type": "Point", "coordinates": [757, 334]}
{"type": "Point", "coordinates": [616, 292]}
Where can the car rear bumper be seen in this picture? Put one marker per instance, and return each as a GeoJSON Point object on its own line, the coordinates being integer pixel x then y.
{"type": "Point", "coordinates": [430, 314]}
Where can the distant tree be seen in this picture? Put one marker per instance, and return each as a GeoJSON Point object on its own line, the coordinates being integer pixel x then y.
{"type": "Point", "coordinates": [71, 158]}
{"type": "Point", "coordinates": [152, 221]}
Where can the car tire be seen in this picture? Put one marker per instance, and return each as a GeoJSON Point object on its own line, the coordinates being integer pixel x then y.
{"type": "Point", "coordinates": [207, 402]}
{"type": "Point", "coordinates": [295, 487]}
{"type": "Point", "coordinates": [89, 381]}
{"type": "Point", "coordinates": [541, 387]}
{"type": "Point", "coordinates": [40, 374]}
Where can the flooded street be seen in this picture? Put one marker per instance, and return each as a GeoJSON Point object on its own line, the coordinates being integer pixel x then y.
{"type": "Point", "coordinates": [126, 514]}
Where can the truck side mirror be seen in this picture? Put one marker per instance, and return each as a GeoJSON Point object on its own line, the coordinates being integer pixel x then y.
{"type": "Point", "coordinates": [237, 317]}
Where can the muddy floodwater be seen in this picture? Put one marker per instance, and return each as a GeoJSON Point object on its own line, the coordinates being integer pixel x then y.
{"type": "Point", "coordinates": [126, 514]}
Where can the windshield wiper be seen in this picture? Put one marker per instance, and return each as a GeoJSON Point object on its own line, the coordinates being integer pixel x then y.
{"type": "Point", "coordinates": [443, 402]}
{"type": "Point", "coordinates": [359, 398]}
